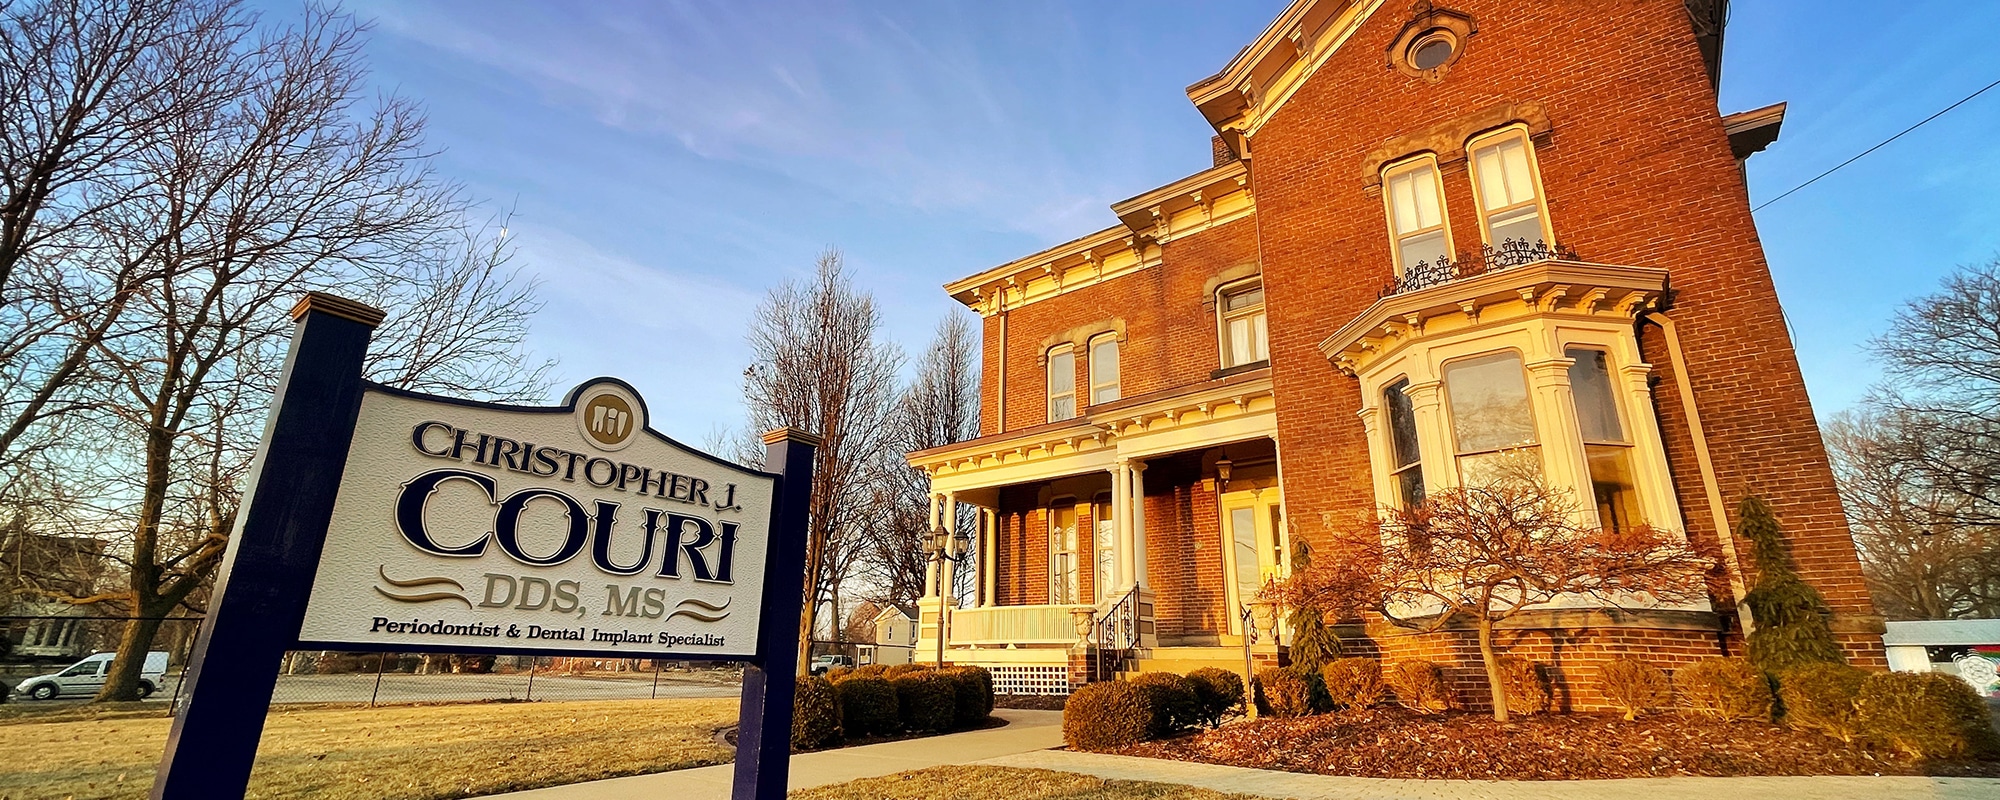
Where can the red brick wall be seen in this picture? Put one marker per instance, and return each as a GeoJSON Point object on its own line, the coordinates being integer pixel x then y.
{"type": "Point", "coordinates": [1637, 170]}
{"type": "Point", "coordinates": [1170, 336]}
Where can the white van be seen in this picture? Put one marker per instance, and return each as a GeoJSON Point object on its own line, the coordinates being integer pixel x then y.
{"type": "Point", "coordinates": [84, 678]}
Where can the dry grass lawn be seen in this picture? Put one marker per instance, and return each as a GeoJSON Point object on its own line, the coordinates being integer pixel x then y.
{"type": "Point", "coordinates": [988, 783]}
{"type": "Point", "coordinates": [404, 753]}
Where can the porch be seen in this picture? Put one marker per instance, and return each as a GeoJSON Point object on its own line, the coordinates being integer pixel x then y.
{"type": "Point", "coordinates": [1135, 533]}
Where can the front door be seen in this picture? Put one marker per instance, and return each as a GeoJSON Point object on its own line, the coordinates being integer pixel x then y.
{"type": "Point", "coordinates": [1254, 543]}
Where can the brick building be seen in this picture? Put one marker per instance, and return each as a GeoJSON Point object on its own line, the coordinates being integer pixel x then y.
{"type": "Point", "coordinates": [1364, 297]}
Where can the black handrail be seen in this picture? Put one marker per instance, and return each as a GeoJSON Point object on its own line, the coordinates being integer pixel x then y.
{"type": "Point", "coordinates": [1511, 253]}
{"type": "Point", "coordinates": [1116, 632]}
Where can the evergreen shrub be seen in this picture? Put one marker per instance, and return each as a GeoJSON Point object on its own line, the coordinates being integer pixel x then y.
{"type": "Point", "coordinates": [815, 714]}
{"type": "Point", "coordinates": [1354, 682]}
{"type": "Point", "coordinates": [1725, 688]}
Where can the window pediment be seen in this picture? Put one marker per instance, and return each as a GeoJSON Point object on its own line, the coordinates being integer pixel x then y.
{"type": "Point", "coordinates": [1545, 288]}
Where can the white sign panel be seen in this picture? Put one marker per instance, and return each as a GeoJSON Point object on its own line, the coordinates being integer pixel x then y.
{"type": "Point", "coordinates": [485, 527]}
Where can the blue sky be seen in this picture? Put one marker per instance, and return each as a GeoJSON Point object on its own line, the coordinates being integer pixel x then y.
{"type": "Point", "coordinates": [668, 162]}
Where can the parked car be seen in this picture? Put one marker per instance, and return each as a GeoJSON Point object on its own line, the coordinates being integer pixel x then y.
{"type": "Point", "coordinates": [85, 677]}
{"type": "Point", "coordinates": [820, 664]}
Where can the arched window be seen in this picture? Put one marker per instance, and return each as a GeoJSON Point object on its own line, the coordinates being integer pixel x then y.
{"type": "Point", "coordinates": [1240, 307]}
{"type": "Point", "coordinates": [1062, 383]}
{"type": "Point", "coordinates": [1414, 197]}
{"type": "Point", "coordinates": [1508, 184]}
{"type": "Point", "coordinates": [1103, 368]}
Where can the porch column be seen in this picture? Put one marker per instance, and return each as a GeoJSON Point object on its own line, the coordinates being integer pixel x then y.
{"type": "Point", "coordinates": [930, 574]}
{"type": "Point", "coordinates": [1138, 505]}
{"type": "Point", "coordinates": [950, 587]}
{"type": "Point", "coordinates": [1121, 531]}
{"type": "Point", "coordinates": [989, 555]}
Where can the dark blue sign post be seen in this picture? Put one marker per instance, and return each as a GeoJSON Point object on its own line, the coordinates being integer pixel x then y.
{"type": "Point", "coordinates": [266, 578]}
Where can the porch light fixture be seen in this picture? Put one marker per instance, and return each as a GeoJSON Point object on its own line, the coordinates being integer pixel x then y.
{"type": "Point", "coordinates": [1222, 468]}
{"type": "Point", "coordinates": [945, 545]}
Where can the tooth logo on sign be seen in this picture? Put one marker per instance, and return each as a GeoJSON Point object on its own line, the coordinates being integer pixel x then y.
{"type": "Point", "coordinates": [607, 419]}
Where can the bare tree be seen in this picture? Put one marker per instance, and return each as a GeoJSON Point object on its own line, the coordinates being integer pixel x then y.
{"type": "Point", "coordinates": [1942, 358]}
{"type": "Point", "coordinates": [281, 183]}
{"type": "Point", "coordinates": [818, 366]}
{"type": "Point", "coordinates": [940, 406]}
{"type": "Point", "coordinates": [89, 88]}
{"type": "Point", "coordinates": [1921, 557]}
{"type": "Point", "coordinates": [1482, 555]}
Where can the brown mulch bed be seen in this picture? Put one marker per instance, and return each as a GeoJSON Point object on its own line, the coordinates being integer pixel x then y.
{"type": "Point", "coordinates": [1397, 743]}
{"type": "Point", "coordinates": [1035, 702]}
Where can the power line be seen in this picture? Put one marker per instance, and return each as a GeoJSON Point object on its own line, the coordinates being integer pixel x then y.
{"type": "Point", "coordinates": [1878, 146]}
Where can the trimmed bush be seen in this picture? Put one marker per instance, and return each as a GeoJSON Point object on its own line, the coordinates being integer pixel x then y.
{"type": "Point", "coordinates": [1925, 715]}
{"type": "Point", "coordinates": [868, 705]}
{"type": "Point", "coordinates": [1110, 714]}
{"type": "Point", "coordinates": [815, 714]}
{"type": "Point", "coordinates": [1820, 697]}
{"type": "Point", "coordinates": [925, 702]}
{"type": "Point", "coordinates": [1219, 692]}
{"type": "Point", "coordinates": [1527, 686]}
{"type": "Point", "coordinates": [1176, 698]}
{"type": "Point", "coordinates": [971, 700]}
{"type": "Point", "coordinates": [835, 674]}
{"type": "Point", "coordinates": [1353, 682]}
{"type": "Point", "coordinates": [1420, 686]}
{"type": "Point", "coordinates": [905, 669]}
{"type": "Point", "coordinates": [875, 670]}
{"type": "Point", "coordinates": [1724, 688]}
{"type": "Point", "coordinates": [1633, 686]}
{"type": "Point", "coordinates": [1287, 692]}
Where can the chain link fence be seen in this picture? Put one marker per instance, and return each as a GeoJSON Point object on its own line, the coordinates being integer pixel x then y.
{"type": "Point", "coordinates": [70, 653]}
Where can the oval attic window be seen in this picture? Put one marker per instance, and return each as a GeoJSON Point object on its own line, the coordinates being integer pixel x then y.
{"type": "Point", "coordinates": [1432, 51]}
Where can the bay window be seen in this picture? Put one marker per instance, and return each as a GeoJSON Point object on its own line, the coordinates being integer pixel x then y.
{"type": "Point", "coordinates": [1607, 450]}
{"type": "Point", "coordinates": [1406, 463]}
{"type": "Point", "coordinates": [1492, 423]}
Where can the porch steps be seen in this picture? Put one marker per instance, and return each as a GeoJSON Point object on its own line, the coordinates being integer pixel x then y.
{"type": "Point", "coordinates": [1183, 660]}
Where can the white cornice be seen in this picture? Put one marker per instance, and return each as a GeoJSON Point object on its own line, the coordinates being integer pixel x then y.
{"type": "Point", "coordinates": [1257, 82]}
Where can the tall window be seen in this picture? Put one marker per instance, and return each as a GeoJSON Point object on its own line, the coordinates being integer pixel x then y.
{"type": "Point", "coordinates": [1407, 468]}
{"type": "Point", "coordinates": [1062, 383]}
{"type": "Point", "coordinates": [1416, 213]}
{"type": "Point", "coordinates": [1243, 335]}
{"type": "Point", "coordinates": [1605, 445]}
{"type": "Point", "coordinates": [1102, 548]}
{"type": "Point", "coordinates": [1103, 368]}
{"type": "Point", "coordinates": [1062, 554]}
{"type": "Point", "coordinates": [1492, 425]}
{"type": "Point", "coordinates": [1503, 173]}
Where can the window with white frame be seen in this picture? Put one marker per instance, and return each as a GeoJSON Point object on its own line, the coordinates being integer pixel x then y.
{"type": "Point", "coordinates": [1062, 383]}
{"type": "Point", "coordinates": [1505, 179]}
{"type": "Point", "coordinates": [1415, 199]}
{"type": "Point", "coordinates": [1241, 307]}
{"type": "Point", "coordinates": [1406, 463]}
{"type": "Point", "coordinates": [1063, 566]}
{"type": "Point", "coordinates": [1103, 368]}
{"type": "Point", "coordinates": [1492, 421]}
{"type": "Point", "coordinates": [1607, 449]}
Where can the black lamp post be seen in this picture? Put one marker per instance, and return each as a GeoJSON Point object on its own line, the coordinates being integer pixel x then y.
{"type": "Point", "coordinates": [945, 545]}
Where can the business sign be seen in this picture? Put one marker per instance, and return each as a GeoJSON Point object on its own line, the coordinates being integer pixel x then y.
{"type": "Point", "coordinates": [578, 529]}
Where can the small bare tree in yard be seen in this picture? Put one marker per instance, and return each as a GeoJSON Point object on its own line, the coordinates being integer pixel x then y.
{"type": "Point", "coordinates": [1481, 555]}
{"type": "Point", "coordinates": [940, 406]}
{"type": "Point", "coordinates": [819, 367]}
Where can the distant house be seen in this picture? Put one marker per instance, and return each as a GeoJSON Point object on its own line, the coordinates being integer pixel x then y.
{"type": "Point", "coordinates": [1968, 648]}
{"type": "Point", "coordinates": [895, 637]}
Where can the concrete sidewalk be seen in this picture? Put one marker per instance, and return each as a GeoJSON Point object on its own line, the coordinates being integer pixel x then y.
{"type": "Point", "coordinates": [1025, 731]}
{"type": "Point", "coordinates": [1266, 783]}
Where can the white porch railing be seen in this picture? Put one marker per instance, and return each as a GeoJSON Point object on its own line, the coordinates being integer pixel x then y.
{"type": "Point", "coordinates": [1004, 625]}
